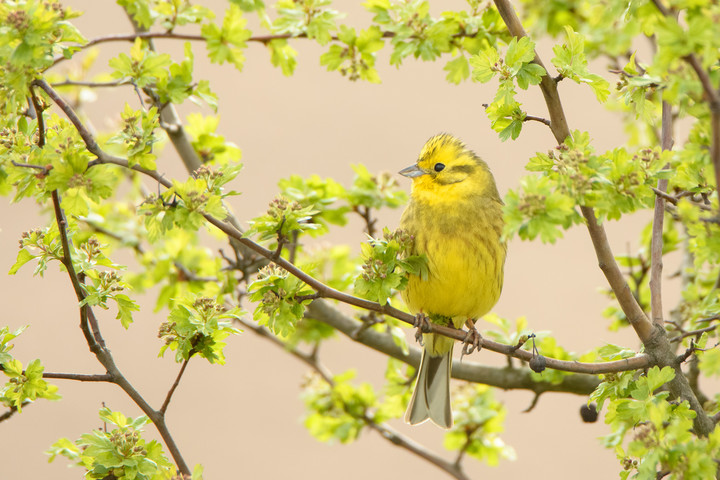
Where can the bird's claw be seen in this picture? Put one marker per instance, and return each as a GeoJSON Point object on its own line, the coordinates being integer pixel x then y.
{"type": "Point", "coordinates": [472, 341]}
{"type": "Point", "coordinates": [422, 323]}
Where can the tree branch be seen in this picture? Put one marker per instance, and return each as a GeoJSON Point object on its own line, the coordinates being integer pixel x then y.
{"type": "Point", "coordinates": [544, 121]}
{"type": "Point", "coordinates": [170, 120]}
{"type": "Point", "coordinates": [12, 411]}
{"type": "Point", "coordinates": [97, 346]}
{"type": "Point", "coordinates": [548, 85]}
{"type": "Point", "coordinates": [711, 94]}
{"type": "Point", "coordinates": [656, 246]}
{"type": "Point", "coordinates": [383, 429]}
{"type": "Point", "coordinates": [175, 384]}
{"type": "Point", "coordinates": [79, 83]}
{"type": "Point", "coordinates": [87, 317]}
{"type": "Point", "coordinates": [80, 377]}
{"type": "Point", "coordinates": [653, 336]}
{"type": "Point", "coordinates": [327, 291]}
{"type": "Point", "coordinates": [507, 378]}
{"type": "Point", "coordinates": [560, 129]}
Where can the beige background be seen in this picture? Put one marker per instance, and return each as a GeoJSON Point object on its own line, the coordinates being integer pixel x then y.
{"type": "Point", "coordinates": [244, 419]}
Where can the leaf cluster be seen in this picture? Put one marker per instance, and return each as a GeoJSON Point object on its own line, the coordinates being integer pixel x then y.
{"type": "Point", "coordinates": [281, 299]}
{"type": "Point", "coordinates": [198, 325]}
{"type": "Point", "coordinates": [479, 419]}
{"type": "Point", "coordinates": [659, 431]}
{"type": "Point", "coordinates": [121, 453]}
{"type": "Point", "coordinates": [387, 264]}
{"type": "Point", "coordinates": [613, 183]}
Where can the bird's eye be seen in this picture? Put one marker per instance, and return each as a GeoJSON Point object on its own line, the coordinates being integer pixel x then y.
{"type": "Point", "coordinates": [439, 167]}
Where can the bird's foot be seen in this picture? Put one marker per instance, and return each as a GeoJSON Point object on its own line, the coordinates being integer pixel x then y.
{"type": "Point", "coordinates": [422, 323]}
{"type": "Point", "coordinates": [472, 341]}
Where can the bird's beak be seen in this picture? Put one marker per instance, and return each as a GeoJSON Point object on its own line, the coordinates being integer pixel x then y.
{"type": "Point", "coordinates": [412, 171]}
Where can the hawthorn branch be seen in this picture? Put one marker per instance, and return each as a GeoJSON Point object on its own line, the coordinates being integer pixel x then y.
{"type": "Point", "coordinates": [80, 377]}
{"type": "Point", "coordinates": [40, 119]}
{"type": "Point", "coordinates": [87, 316]}
{"type": "Point", "coordinates": [507, 378]}
{"type": "Point", "coordinates": [383, 429]}
{"type": "Point", "coordinates": [711, 94]}
{"type": "Point", "coordinates": [12, 411]}
{"type": "Point", "coordinates": [656, 260]}
{"type": "Point", "coordinates": [366, 214]}
{"type": "Point", "coordinates": [173, 126]}
{"type": "Point", "coordinates": [97, 346]}
{"type": "Point", "coordinates": [542, 120]}
{"type": "Point", "coordinates": [228, 227]}
{"type": "Point", "coordinates": [560, 129]}
{"type": "Point", "coordinates": [652, 335]}
{"type": "Point", "coordinates": [170, 120]}
{"type": "Point", "coordinates": [674, 199]}
{"type": "Point", "coordinates": [263, 39]}
{"type": "Point", "coordinates": [175, 384]}
{"type": "Point", "coordinates": [183, 272]}
{"type": "Point", "coordinates": [548, 85]}
{"type": "Point", "coordinates": [80, 83]}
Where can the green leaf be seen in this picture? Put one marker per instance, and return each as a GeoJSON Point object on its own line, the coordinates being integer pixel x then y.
{"type": "Point", "coordinates": [226, 44]}
{"type": "Point", "coordinates": [283, 55]}
{"type": "Point", "coordinates": [519, 52]}
{"type": "Point", "coordinates": [485, 65]}
{"type": "Point", "coordinates": [23, 257]}
{"type": "Point", "coordinates": [571, 62]}
{"type": "Point", "coordinates": [458, 70]}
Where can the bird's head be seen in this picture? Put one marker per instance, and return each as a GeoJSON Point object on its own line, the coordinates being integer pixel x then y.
{"type": "Point", "coordinates": [445, 164]}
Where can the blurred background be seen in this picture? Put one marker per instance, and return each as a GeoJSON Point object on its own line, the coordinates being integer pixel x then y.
{"type": "Point", "coordinates": [245, 418]}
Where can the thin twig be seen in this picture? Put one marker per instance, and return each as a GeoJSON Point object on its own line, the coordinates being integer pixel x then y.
{"type": "Point", "coordinates": [80, 377]}
{"type": "Point", "coordinates": [533, 404]}
{"type": "Point", "coordinates": [396, 438]}
{"type": "Point", "coordinates": [80, 83]}
{"type": "Point", "coordinates": [12, 411]}
{"type": "Point", "coordinates": [39, 117]}
{"type": "Point", "coordinates": [694, 333]}
{"type": "Point", "coordinates": [93, 342]}
{"type": "Point", "coordinates": [175, 384]}
{"type": "Point", "coordinates": [536, 119]}
{"type": "Point", "coordinates": [674, 199]}
{"type": "Point", "coordinates": [656, 245]}
{"type": "Point", "coordinates": [27, 165]}
{"type": "Point", "coordinates": [366, 214]}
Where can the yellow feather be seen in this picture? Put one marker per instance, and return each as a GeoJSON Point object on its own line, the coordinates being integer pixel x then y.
{"type": "Point", "coordinates": [455, 215]}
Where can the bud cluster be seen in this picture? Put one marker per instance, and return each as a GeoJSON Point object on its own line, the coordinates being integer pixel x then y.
{"type": "Point", "coordinates": [280, 205]}
{"type": "Point", "coordinates": [127, 442]}
{"type": "Point", "coordinates": [32, 237]}
{"type": "Point", "coordinates": [208, 307]}
{"type": "Point", "coordinates": [109, 280]}
{"type": "Point", "coordinates": [91, 247]}
{"type": "Point", "coordinates": [167, 332]}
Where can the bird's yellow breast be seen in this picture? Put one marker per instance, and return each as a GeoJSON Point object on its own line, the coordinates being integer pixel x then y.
{"type": "Point", "coordinates": [461, 239]}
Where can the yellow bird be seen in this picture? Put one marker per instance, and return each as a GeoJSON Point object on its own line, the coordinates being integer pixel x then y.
{"type": "Point", "coordinates": [455, 215]}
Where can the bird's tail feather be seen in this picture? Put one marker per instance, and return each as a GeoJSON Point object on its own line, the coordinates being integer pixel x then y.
{"type": "Point", "coordinates": [431, 398]}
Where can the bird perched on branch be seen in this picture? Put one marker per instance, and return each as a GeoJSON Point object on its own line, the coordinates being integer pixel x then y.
{"type": "Point", "coordinates": [455, 216]}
